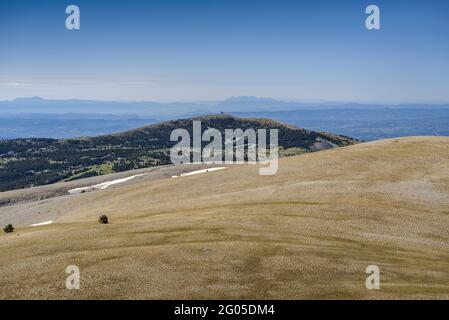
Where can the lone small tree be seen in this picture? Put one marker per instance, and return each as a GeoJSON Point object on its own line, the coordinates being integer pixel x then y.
{"type": "Point", "coordinates": [103, 219]}
{"type": "Point", "coordinates": [8, 228]}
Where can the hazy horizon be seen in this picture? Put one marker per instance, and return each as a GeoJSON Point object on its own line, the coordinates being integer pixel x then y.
{"type": "Point", "coordinates": [278, 99]}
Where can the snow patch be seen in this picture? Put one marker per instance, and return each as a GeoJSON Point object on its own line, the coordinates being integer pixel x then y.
{"type": "Point", "coordinates": [198, 172]}
{"type": "Point", "coordinates": [41, 224]}
{"type": "Point", "coordinates": [104, 185]}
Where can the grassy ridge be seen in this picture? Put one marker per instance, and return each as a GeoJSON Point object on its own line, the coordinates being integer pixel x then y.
{"type": "Point", "coordinates": [309, 231]}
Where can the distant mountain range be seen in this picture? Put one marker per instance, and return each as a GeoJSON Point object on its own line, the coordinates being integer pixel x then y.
{"type": "Point", "coordinates": [159, 110]}
{"type": "Point", "coordinates": [37, 117]}
{"type": "Point", "coordinates": [32, 162]}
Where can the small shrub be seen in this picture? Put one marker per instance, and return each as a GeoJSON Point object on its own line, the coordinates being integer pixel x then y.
{"type": "Point", "coordinates": [103, 219]}
{"type": "Point", "coordinates": [8, 228]}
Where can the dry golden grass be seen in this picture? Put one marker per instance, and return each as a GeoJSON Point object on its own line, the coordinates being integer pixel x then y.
{"type": "Point", "coordinates": [307, 232]}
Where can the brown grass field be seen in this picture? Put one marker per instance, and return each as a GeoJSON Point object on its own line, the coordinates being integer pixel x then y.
{"type": "Point", "coordinates": [307, 232]}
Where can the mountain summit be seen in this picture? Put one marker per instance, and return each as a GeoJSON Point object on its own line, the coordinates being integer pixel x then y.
{"type": "Point", "coordinates": [32, 162]}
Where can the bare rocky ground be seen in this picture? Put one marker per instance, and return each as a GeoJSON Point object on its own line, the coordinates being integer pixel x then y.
{"type": "Point", "coordinates": [309, 231]}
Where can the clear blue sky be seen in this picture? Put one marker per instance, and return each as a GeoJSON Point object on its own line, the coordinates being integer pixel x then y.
{"type": "Point", "coordinates": [208, 50]}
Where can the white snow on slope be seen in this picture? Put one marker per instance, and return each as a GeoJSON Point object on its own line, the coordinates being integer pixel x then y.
{"type": "Point", "coordinates": [103, 185]}
{"type": "Point", "coordinates": [41, 224]}
{"type": "Point", "coordinates": [198, 172]}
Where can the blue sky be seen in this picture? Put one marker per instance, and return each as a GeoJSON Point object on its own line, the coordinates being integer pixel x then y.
{"type": "Point", "coordinates": [210, 50]}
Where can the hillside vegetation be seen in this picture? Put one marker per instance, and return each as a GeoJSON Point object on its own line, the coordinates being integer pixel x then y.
{"type": "Point", "coordinates": [33, 162]}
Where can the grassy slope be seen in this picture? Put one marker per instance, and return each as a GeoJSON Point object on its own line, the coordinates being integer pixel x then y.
{"type": "Point", "coordinates": [307, 232]}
